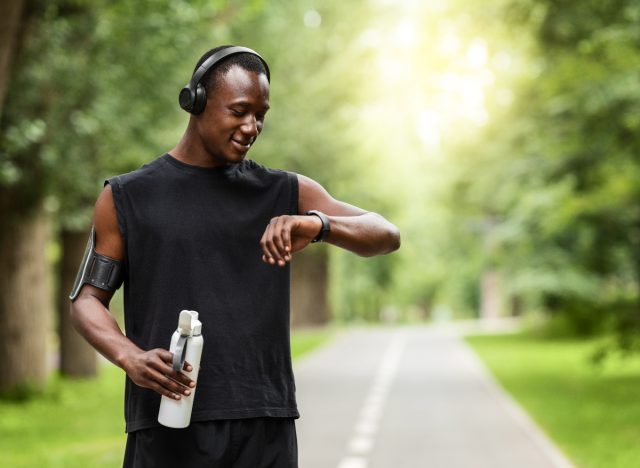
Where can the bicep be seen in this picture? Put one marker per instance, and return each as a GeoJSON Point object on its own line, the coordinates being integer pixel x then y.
{"type": "Point", "coordinates": [108, 242]}
{"type": "Point", "coordinates": [313, 196]}
{"type": "Point", "coordinates": [108, 238]}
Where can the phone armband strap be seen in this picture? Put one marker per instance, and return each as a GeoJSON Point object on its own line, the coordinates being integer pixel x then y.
{"type": "Point", "coordinates": [97, 270]}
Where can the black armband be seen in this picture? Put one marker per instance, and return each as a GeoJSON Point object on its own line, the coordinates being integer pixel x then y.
{"type": "Point", "coordinates": [97, 270]}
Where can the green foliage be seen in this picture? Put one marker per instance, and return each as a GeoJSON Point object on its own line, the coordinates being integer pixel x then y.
{"type": "Point", "coordinates": [568, 396]}
{"type": "Point", "coordinates": [557, 175]}
{"type": "Point", "coordinates": [497, 135]}
{"type": "Point", "coordinates": [314, 90]}
{"type": "Point", "coordinates": [96, 85]}
{"type": "Point", "coordinates": [95, 94]}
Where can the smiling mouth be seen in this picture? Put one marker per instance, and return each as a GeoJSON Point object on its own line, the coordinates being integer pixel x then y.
{"type": "Point", "coordinates": [242, 146]}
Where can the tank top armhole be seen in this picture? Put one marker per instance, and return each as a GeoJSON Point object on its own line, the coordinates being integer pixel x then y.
{"type": "Point", "coordinates": [293, 189]}
{"type": "Point", "coordinates": [116, 190]}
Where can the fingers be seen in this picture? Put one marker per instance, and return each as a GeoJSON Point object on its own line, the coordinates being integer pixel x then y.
{"type": "Point", "coordinates": [165, 385]}
{"type": "Point", "coordinates": [266, 245]}
{"type": "Point", "coordinates": [153, 369]}
{"type": "Point", "coordinates": [183, 379]}
{"type": "Point", "coordinates": [276, 241]}
{"type": "Point", "coordinates": [286, 240]}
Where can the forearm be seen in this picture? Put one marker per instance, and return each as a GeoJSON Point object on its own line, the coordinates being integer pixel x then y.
{"type": "Point", "coordinates": [366, 235]}
{"type": "Point", "coordinates": [92, 319]}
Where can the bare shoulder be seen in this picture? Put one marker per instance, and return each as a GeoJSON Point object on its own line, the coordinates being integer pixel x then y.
{"type": "Point", "coordinates": [108, 238]}
{"type": "Point", "coordinates": [313, 196]}
{"type": "Point", "coordinates": [309, 188]}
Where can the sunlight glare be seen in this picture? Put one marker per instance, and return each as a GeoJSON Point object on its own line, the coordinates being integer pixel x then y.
{"type": "Point", "coordinates": [472, 91]}
{"type": "Point", "coordinates": [428, 127]}
{"type": "Point", "coordinates": [312, 19]}
{"type": "Point", "coordinates": [405, 34]}
{"type": "Point", "coordinates": [371, 38]}
{"type": "Point", "coordinates": [392, 69]}
{"type": "Point", "coordinates": [449, 44]}
{"type": "Point", "coordinates": [431, 92]}
{"type": "Point", "coordinates": [502, 61]}
{"type": "Point", "coordinates": [477, 53]}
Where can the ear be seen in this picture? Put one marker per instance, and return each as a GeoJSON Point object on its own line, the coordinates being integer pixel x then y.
{"type": "Point", "coordinates": [200, 100]}
{"type": "Point", "coordinates": [186, 98]}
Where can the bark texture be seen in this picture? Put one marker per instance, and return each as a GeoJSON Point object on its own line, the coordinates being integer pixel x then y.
{"type": "Point", "coordinates": [491, 306]}
{"type": "Point", "coordinates": [10, 21]}
{"type": "Point", "coordinates": [309, 283]}
{"type": "Point", "coordinates": [77, 357]}
{"type": "Point", "coordinates": [24, 303]}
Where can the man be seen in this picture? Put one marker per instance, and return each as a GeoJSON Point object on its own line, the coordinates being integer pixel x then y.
{"type": "Point", "coordinates": [203, 228]}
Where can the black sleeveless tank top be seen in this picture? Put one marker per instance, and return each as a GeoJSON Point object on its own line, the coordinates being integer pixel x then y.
{"type": "Point", "coordinates": [191, 237]}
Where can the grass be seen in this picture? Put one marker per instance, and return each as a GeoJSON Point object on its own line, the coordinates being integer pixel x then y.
{"type": "Point", "coordinates": [80, 423]}
{"type": "Point", "coordinates": [592, 413]}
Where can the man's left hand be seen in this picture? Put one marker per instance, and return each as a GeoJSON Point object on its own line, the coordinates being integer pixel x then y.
{"type": "Point", "coordinates": [285, 235]}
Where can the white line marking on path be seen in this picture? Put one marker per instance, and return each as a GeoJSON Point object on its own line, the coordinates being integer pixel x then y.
{"type": "Point", "coordinates": [353, 462]}
{"type": "Point", "coordinates": [366, 427]}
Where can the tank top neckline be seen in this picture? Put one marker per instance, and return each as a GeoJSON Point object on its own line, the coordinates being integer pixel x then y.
{"type": "Point", "coordinates": [209, 171]}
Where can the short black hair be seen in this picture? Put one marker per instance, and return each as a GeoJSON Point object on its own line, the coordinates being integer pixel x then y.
{"type": "Point", "coordinates": [245, 60]}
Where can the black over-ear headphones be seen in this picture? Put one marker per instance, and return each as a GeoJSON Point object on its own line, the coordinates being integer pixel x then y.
{"type": "Point", "coordinates": [193, 97]}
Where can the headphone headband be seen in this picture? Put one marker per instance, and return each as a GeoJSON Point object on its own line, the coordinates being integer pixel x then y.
{"type": "Point", "coordinates": [215, 58]}
{"type": "Point", "coordinates": [193, 97]}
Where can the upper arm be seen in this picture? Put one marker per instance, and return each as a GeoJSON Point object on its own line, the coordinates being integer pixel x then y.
{"type": "Point", "coordinates": [313, 196]}
{"type": "Point", "coordinates": [108, 239]}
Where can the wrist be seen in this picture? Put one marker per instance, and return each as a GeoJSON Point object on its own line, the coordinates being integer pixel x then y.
{"type": "Point", "coordinates": [121, 360]}
{"type": "Point", "coordinates": [124, 358]}
{"type": "Point", "coordinates": [325, 227]}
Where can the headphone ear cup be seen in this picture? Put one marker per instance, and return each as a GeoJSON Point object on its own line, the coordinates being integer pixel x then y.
{"type": "Point", "coordinates": [200, 100]}
{"type": "Point", "coordinates": [186, 98]}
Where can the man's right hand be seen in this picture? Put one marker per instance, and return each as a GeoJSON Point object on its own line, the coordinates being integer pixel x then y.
{"type": "Point", "coordinates": [153, 369]}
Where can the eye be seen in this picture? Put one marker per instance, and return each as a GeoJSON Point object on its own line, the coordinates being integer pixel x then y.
{"type": "Point", "coordinates": [238, 112]}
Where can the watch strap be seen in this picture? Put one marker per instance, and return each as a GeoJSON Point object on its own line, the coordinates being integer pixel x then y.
{"type": "Point", "coordinates": [326, 226]}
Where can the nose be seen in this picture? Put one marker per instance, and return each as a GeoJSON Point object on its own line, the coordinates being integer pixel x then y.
{"type": "Point", "coordinates": [251, 126]}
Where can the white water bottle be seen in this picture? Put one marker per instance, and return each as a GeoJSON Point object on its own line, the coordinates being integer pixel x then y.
{"type": "Point", "coordinates": [186, 344]}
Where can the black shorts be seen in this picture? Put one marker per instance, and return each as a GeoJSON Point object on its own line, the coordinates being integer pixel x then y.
{"type": "Point", "coordinates": [234, 443]}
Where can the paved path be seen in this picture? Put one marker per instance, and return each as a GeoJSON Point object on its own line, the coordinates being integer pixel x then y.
{"type": "Point", "coordinates": [410, 397]}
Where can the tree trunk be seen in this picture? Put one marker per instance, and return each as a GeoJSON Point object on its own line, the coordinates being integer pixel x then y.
{"type": "Point", "coordinates": [24, 303]}
{"type": "Point", "coordinates": [517, 305]}
{"type": "Point", "coordinates": [490, 295]}
{"type": "Point", "coordinates": [309, 283]}
{"type": "Point", "coordinates": [10, 20]}
{"type": "Point", "coordinates": [77, 357]}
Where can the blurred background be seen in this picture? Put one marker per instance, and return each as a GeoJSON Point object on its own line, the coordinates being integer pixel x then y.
{"type": "Point", "coordinates": [502, 137]}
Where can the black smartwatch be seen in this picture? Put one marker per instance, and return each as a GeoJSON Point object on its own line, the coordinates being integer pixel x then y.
{"type": "Point", "coordinates": [326, 227]}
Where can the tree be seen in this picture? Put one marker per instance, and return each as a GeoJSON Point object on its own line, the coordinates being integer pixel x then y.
{"type": "Point", "coordinates": [24, 299]}
{"type": "Point", "coordinates": [80, 107]}
{"type": "Point", "coordinates": [10, 28]}
{"type": "Point", "coordinates": [591, 128]}
{"type": "Point", "coordinates": [566, 160]}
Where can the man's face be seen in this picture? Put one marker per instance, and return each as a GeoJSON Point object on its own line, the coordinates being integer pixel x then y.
{"type": "Point", "coordinates": [234, 115]}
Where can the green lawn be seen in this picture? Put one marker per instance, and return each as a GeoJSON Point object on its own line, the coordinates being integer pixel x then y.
{"type": "Point", "coordinates": [81, 423]}
{"type": "Point", "coordinates": [593, 414]}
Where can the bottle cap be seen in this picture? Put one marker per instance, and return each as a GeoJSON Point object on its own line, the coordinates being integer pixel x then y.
{"type": "Point", "coordinates": [188, 323]}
